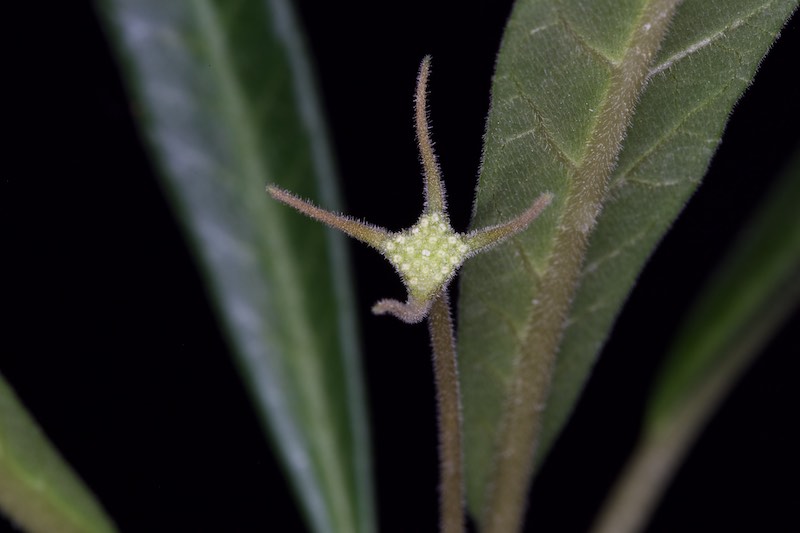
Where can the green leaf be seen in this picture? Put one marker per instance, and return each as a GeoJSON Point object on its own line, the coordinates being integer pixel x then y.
{"type": "Point", "coordinates": [574, 79]}
{"type": "Point", "coordinates": [38, 489]}
{"type": "Point", "coordinates": [225, 97]}
{"type": "Point", "coordinates": [747, 300]}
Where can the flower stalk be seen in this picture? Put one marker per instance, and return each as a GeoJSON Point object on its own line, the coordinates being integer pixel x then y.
{"type": "Point", "coordinates": [427, 257]}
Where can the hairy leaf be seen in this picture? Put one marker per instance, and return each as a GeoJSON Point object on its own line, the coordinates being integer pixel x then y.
{"type": "Point", "coordinates": [574, 80]}
{"type": "Point", "coordinates": [38, 489]}
{"type": "Point", "coordinates": [225, 98]}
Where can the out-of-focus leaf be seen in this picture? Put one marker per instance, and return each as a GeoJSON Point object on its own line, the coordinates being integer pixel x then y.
{"type": "Point", "coordinates": [756, 287]}
{"type": "Point", "coordinates": [38, 489]}
{"type": "Point", "coordinates": [574, 79]}
{"type": "Point", "coordinates": [224, 95]}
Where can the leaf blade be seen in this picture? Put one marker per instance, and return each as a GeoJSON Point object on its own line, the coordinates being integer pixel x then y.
{"type": "Point", "coordinates": [498, 316]}
{"type": "Point", "coordinates": [707, 116]}
{"type": "Point", "coordinates": [38, 488]}
{"type": "Point", "coordinates": [228, 106]}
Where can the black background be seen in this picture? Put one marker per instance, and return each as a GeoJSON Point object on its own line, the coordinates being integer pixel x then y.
{"type": "Point", "coordinates": [108, 336]}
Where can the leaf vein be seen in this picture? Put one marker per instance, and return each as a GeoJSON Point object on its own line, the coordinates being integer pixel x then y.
{"type": "Point", "coordinates": [706, 41]}
{"type": "Point", "coordinates": [530, 268]}
{"type": "Point", "coordinates": [546, 135]}
{"type": "Point", "coordinates": [506, 318]}
{"type": "Point", "coordinates": [583, 43]}
{"type": "Point", "coordinates": [671, 133]}
{"type": "Point", "coordinates": [592, 267]}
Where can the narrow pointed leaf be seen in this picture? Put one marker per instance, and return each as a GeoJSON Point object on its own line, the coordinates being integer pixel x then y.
{"type": "Point", "coordinates": [39, 491]}
{"type": "Point", "coordinates": [225, 98]}
{"type": "Point", "coordinates": [574, 80]}
{"type": "Point", "coordinates": [756, 287]}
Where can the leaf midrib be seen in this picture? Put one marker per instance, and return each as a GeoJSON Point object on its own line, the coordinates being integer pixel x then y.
{"type": "Point", "coordinates": [586, 194]}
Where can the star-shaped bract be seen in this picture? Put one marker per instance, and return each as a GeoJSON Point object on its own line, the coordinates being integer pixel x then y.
{"type": "Point", "coordinates": [428, 254]}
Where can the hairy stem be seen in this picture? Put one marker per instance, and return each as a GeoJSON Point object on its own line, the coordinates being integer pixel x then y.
{"type": "Point", "coordinates": [663, 446]}
{"type": "Point", "coordinates": [667, 440]}
{"type": "Point", "coordinates": [644, 479]}
{"type": "Point", "coordinates": [448, 399]}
